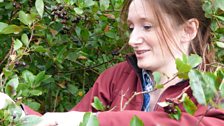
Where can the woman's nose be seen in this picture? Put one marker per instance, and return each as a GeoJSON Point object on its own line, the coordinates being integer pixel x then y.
{"type": "Point", "coordinates": [135, 39]}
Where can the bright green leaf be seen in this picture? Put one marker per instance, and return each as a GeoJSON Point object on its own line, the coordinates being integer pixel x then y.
{"type": "Point", "coordinates": [39, 48]}
{"type": "Point", "coordinates": [89, 3]}
{"type": "Point", "coordinates": [7, 72]}
{"type": "Point", "coordinates": [196, 86]}
{"type": "Point", "coordinates": [35, 92]}
{"type": "Point", "coordinates": [18, 44]}
{"type": "Point", "coordinates": [25, 18]}
{"type": "Point", "coordinates": [209, 85]}
{"type": "Point", "coordinates": [104, 4]}
{"type": "Point", "coordinates": [183, 69]}
{"type": "Point", "coordinates": [39, 4]}
{"type": "Point", "coordinates": [221, 88]}
{"type": "Point", "coordinates": [78, 11]}
{"type": "Point", "coordinates": [176, 115]}
{"type": "Point", "coordinates": [12, 85]}
{"type": "Point", "coordinates": [194, 60]}
{"type": "Point", "coordinates": [11, 29]}
{"type": "Point", "coordinates": [136, 121]}
{"type": "Point", "coordinates": [220, 44]}
{"type": "Point", "coordinates": [89, 119]}
{"type": "Point", "coordinates": [219, 4]}
{"type": "Point", "coordinates": [97, 104]}
{"type": "Point", "coordinates": [28, 77]}
{"type": "Point", "coordinates": [40, 77]}
{"type": "Point", "coordinates": [220, 17]}
{"type": "Point", "coordinates": [157, 77]}
{"type": "Point", "coordinates": [189, 105]}
{"type": "Point", "coordinates": [25, 40]}
{"type": "Point", "coordinates": [159, 86]}
{"type": "Point", "coordinates": [2, 26]}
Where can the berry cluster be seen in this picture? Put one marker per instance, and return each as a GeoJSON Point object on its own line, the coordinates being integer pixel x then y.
{"type": "Point", "coordinates": [171, 109]}
{"type": "Point", "coordinates": [60, 13]}
{"type": "Point", "coordinates": [16, 4]}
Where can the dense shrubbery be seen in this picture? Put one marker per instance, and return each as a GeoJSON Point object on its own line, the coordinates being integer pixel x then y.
{"type": "Point", "coordinates": [52, 51]}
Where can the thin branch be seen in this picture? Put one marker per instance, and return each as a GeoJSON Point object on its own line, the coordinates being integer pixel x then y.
{"type": "Point", "coordinates": [198, 123]}
{"type": "Point", "coordinates": [55, 101]}
{"type": "Point", "coordinates": [131, 98]}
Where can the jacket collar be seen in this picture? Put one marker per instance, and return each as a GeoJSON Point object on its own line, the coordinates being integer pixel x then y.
{"type": "Point", "coordinates": [132, 61]}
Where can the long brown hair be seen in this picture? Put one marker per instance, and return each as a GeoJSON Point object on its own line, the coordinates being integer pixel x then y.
{"type": "Point", "coordinates": [181, 11]}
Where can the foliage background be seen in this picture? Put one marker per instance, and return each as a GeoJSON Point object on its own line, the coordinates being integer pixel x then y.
{"type": "Point", "coordinates": [52, 51]}
{"type": "Point", "coordinates": [51, 55]}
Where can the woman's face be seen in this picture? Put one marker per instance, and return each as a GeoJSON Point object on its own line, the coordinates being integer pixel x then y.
{"type": "Point", "coordinates": [150, 49]}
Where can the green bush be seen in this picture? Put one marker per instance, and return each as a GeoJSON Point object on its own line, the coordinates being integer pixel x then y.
{"type": "Point", "coordinates": [52, 51]}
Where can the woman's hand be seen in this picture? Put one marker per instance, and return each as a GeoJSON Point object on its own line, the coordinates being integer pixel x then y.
{"type": "Point", "coordinates": [72, 118]}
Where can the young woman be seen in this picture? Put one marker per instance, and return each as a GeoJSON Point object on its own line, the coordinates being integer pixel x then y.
{"type": "Point", "coordinates": [160, 31]}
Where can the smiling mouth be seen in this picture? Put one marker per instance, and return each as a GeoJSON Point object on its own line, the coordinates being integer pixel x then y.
{"type": "Point", "coordinates": [138, 52]}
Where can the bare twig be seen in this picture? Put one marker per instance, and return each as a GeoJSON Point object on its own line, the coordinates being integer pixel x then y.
{"type": "Point", "coordinates": [131, 98]}
{"type": "Point", "coordinates": [55, 101]}
{"type": "Point", "coordinates": [198, 123]}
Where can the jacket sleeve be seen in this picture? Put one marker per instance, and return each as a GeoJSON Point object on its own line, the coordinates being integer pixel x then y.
{"type": "Point", "coordinates": [212, 118]}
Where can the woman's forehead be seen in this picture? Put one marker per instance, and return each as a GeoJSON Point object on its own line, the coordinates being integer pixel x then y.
{"type": "Point", "coordinates": [141, 8]}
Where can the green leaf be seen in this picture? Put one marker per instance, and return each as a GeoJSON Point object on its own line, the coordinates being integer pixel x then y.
{"type": "Point", "coordinates": [2, 26]}
{"type": "Point", "coordinates": [209, 85]}
{"type": "Point", "coordinates": [220, 17]}
{"type": "Point", "coordinates": [25, 40]}
{"type": "Point", "coordinates": [157, 77]}
{"type": "Point", "coordinates": [176, 115]}
{"type": "Point", "coordinates": [40, 77]}
{"type": "Point", "coordinates": [7, 72]}
{"type": "Point", "coordinates": [89, 3]}
{"type": "Point", "coordinates": [189, 105]}
{"type": "Point", "coordinates": [32, 104]}
{"type": "Point", "coordinates": [28, 77]}
{"type": "Point", "coordinates": [219, 4]}
{"type": "Point", "coordinates": [39, 4]}
{"type": "Point", "coordinates": [12, 85]}
{"type": "Point", "coordinates": [35, 92]}
{"type": "Point", "coordinates": [104, 4]}
{"type": "Point", "coordinates": [18, 44]}
{"type": "Point", "coordinates": [214, 26]}
{"type": "Point", "coordinates": [159, 86]}
{"type": "Point", "coordinates": [78, 11]}
{"type": "Point", "coordinates": [194, 60]}
{"type": "Point", "coordinates": [196, 86]}
{"type": "Point", "coordinates": [30, 120]}
{"type": "Point", "coordinates": [183, 69]}
{"type": "Point", "coordinates": [221, 88]}
{"type": "Point", "coordinates": [89, 119]}
{"type": "Point", "coordinates": [207, 7]}
{"type": "Point", "coordinates": [97, 104]}
{"type": "Point", "coordinates": [220, 44]}
{"type": "Point", "coordinates": [25, 18]}
{"type": "Point", "coordinates": [39, 49]}
{"type": "Point", "coordinates": [11, 29]}
{"type": "Point", "coordinates": [85, 34]}
{"type": "Point", "coordinates": [136, 121]}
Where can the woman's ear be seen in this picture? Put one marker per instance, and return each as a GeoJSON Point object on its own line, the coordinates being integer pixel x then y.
{"type": "Point", "coordinates": [190, 30]}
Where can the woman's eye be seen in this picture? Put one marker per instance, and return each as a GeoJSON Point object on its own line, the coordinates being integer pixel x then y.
{"type": "Point", "coordinates": [147, 27]}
